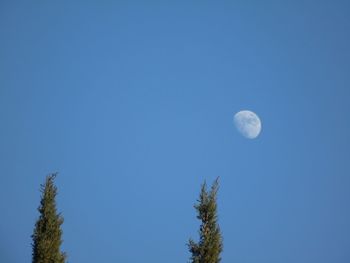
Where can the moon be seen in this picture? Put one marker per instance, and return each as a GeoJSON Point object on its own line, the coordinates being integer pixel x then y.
{"type": "Point", "coordinates": [247, 123]}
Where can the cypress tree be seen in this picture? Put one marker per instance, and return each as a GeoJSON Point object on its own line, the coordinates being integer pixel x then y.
{"type": "Point", "coordinates": [210, 245]}
{"type": "Point", "coordinates": [47, 232]}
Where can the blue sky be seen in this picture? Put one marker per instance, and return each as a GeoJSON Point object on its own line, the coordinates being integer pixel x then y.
{"type": "Point", "coordinates": [132, 103]}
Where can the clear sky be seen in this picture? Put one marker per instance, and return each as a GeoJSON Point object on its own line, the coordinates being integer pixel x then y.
{"type": "Point", "coordinates": [133, 103]}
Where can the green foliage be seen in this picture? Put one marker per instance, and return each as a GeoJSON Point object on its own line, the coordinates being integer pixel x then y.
{"type": "Point", "coordinates": [47, 233]}
{"type": "Point", "coordinates": [209, 247]}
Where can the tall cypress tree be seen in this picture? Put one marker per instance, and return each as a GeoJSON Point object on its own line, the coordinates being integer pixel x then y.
{"type": "Point", "coordinates": [47, 233]}
{"type": "Point", "coordinates": [210, 245]}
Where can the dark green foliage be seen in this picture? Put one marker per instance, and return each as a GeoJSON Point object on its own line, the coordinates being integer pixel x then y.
{"type": "Point", "coordinates": [209, 247]}
{"type": "Point", "coordinates": [47, 233]}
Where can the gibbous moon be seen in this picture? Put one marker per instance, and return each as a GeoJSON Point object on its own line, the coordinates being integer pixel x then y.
{"type": "Point", "coordinates": [247, 123]}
